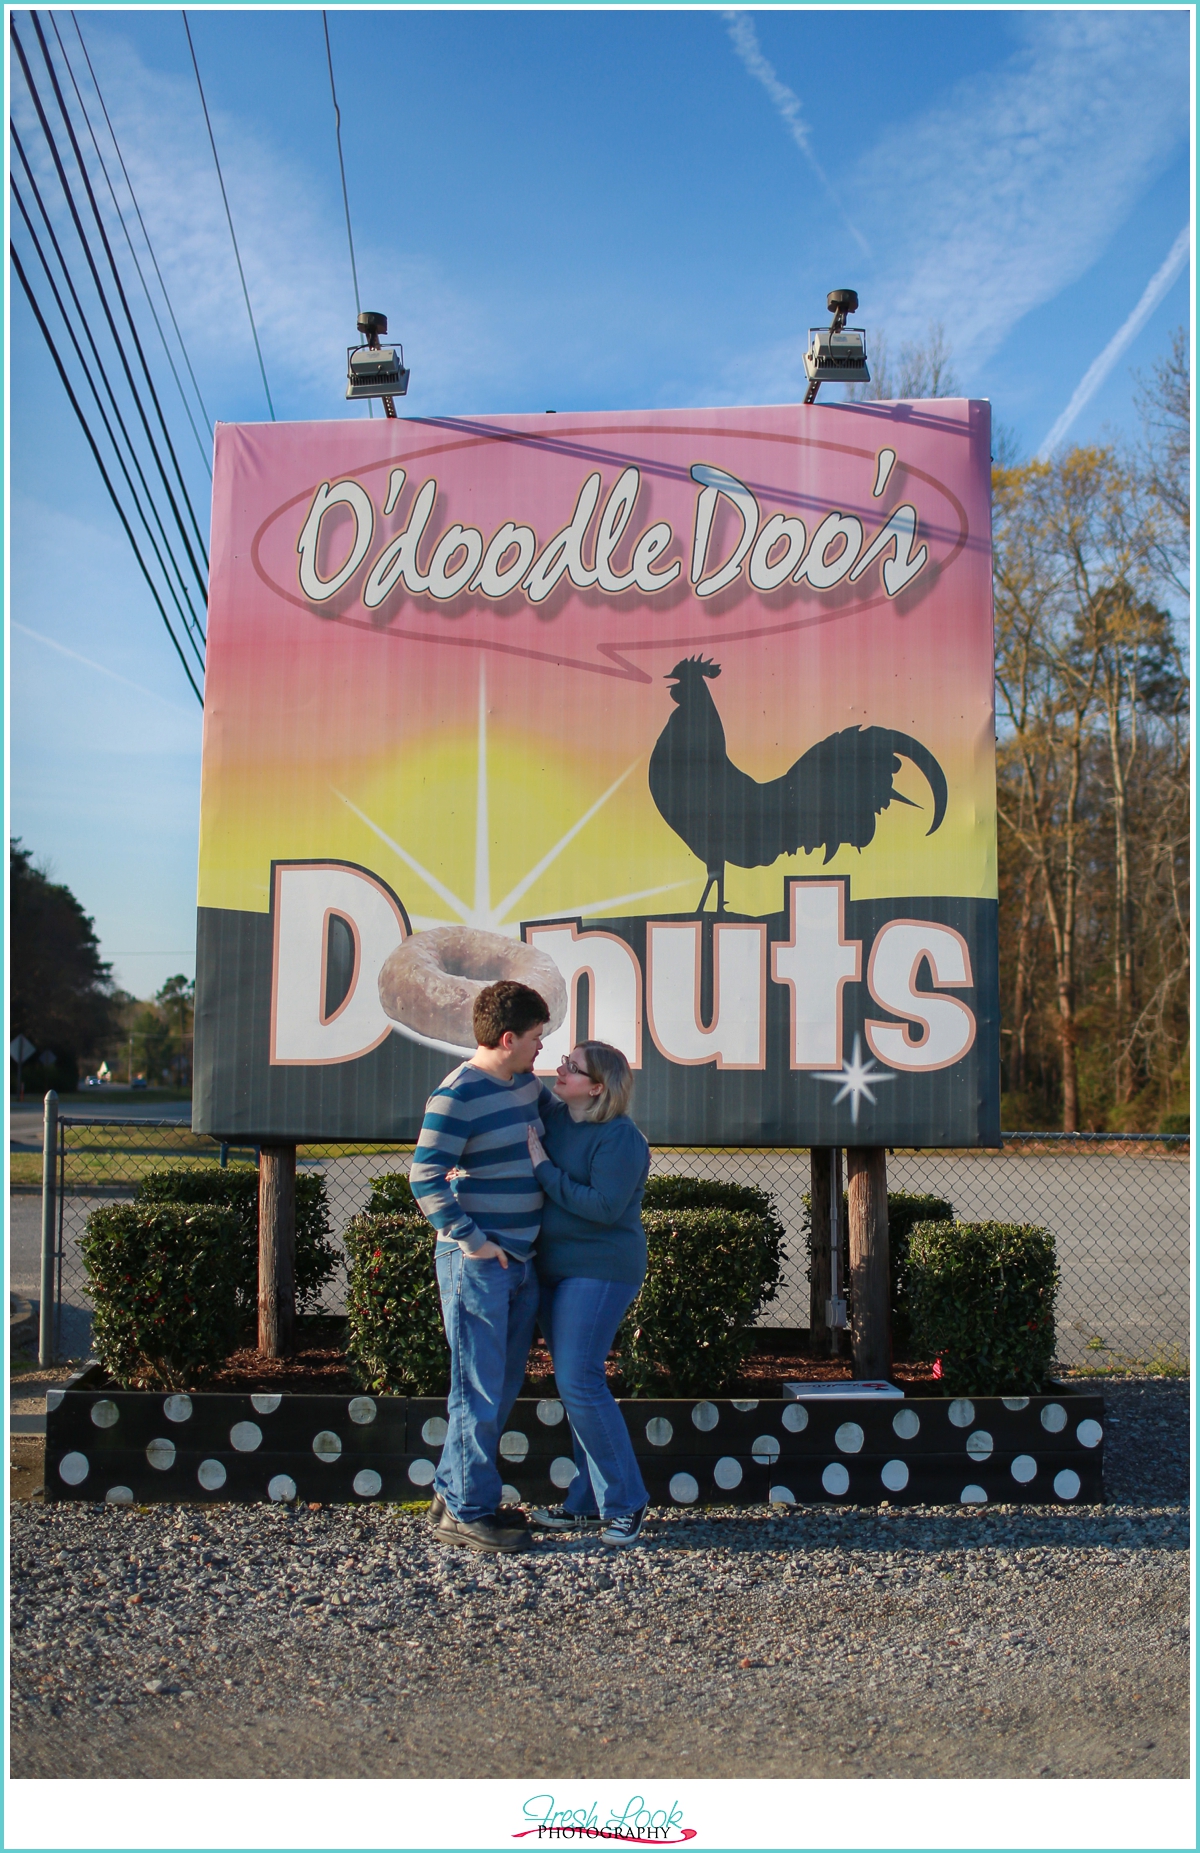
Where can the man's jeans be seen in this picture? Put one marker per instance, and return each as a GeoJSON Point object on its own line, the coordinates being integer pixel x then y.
{"type": "Point", "coordinates": [579, 1319]}
{"type": "Point", "coordinates": [489, 1313]}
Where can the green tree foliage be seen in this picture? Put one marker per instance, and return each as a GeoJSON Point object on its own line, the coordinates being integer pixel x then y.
{"type": "Point", "coordinates": [61, 993]}
{"type": "Point", "coordinates": [982, 1301]}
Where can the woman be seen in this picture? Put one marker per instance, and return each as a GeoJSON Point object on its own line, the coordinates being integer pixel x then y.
{"type": "Point", "coordinates": [591, 1261]}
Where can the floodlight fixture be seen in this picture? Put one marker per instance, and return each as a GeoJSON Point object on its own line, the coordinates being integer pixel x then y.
{"type": "Point", "coordinates": [373, 371]}
{"type": "Point", "coordinates": [837, 353]}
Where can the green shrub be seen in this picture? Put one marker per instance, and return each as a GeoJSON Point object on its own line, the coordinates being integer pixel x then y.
{"type": "Point", "coordinates": [163, 1281]}
{"type": "Point", "coordinates": [905, 1209]}
{"type": "Point", "coordinates": [982, 1301]}
{"type": "Point", "coordinates": [1176, 1122]}
{"type": "Point", "coordinates": [235, 1187]}
{"type": "Point", "coordinates": [394, 1335]}
{"type": "Point", "coordinates": [710, 1271]}
{"type": "Point", "coordinates": [392, 1195]}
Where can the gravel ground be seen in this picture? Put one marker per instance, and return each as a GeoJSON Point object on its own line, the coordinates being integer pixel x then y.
{"type": "Point", "coordinates": [243, 1641]}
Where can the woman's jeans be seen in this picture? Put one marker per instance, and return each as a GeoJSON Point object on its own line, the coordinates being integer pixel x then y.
{"type": "Point", "coordinates": [579, 1319]}
{"type": "Point", "coordinates": [489, 1313]}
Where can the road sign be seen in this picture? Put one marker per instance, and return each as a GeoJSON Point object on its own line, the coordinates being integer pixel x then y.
{"type": "Point", "coordinates": [20, 1048]}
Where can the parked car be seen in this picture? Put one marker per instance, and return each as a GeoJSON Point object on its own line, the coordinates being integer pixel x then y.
{"type": "Point", "coordinates": [140, 1081]}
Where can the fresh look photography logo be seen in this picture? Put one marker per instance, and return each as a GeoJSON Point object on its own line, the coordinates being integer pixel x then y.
{"type": "Point", "coordinates": [635, 1823]}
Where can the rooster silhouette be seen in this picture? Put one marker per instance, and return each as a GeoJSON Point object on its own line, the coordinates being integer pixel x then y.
{"type": "Point", "coordinates": [832, 795]}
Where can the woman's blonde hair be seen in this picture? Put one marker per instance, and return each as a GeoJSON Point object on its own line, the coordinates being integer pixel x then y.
{"type": "Point", "coordinates": [609, 1067]}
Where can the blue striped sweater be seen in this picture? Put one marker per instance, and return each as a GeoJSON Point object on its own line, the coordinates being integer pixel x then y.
{"type": "Point", "coordinates": [477, 1125]}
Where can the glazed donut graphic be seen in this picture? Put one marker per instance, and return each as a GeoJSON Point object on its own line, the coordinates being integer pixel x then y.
{"type": "Point", "coordinates": [430, 983]}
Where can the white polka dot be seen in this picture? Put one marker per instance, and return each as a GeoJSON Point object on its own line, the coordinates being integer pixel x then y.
{"type": "Point", "coordinates": [550, 1411]}
{"type": "Point", "coordinates": [746, 1407]}
{"type": "Point", "coordinates": [211, 1475]}
{"type": "Point", "coordinates": [683, 1489]}
{"type": "Point", "coordinates": [835, 1479]}
{"type": "Point", "coordinates": [161, 1454]}
{"type": "Point", "coordinates": [105, 1414]}
{"type": "Point", "coordinates": [54, 1399]}
{"type": "Point", "coordinates": [361, 1409]}
{"type": "Point", "coordinates": [1089, 1434]}
{"type": "Point", "coordinates": [73, 1468]}
{"type": "Point", "coordinates": [973, 1496]}
{"type": "Point", "coordinates": [706, 1416]}
{"type": "Point", "coordinates": [509, 1495]}
{"type": "Point", "coordinates": [894, 1475]}
{"type": "Point", "coordinates": [1054, 1418]}
{"type": "Point", "coordinates": [979, 1445]}
{"type": "Point", "coordinates": [367, 1483]}
{"type": "Point", "coordinates": [658, 1431]}
{"type": "Point", "coordinates": [119, 1496]}
{"type": "Point", "coordinates": [781, 1496]}
{"type": "Point", "coordinates": [906, 1423]}
{"type": "Point", "coordinates": [961, 1412]}
{"type": "Point", "coordinates": [245, 1437]}
{"type": "Point", "coordinates": [434, 1432]}
{"type": "Point", "coordinates": [1066, 1483]}
{"type": "Point", "coordinates": [728, 1473]}
{"type": "Point", "coordinates": [1024, 1468]}
{"type": "Point", "coordinates": [178, 1408]}
{"type": "Point", "coordinates": [327, 1446]}
{"type": "Point", "coordinates": [421, 1472]}
{"type": "Point", "coordinates": [265, 1402]}
{"type": "Point", "coordinates": [514, 1446]}
{"type": "Point", "coordinates": [1015, 1402]}
{"type": "Point", "coordinates": [765, 1450]}
{"type": "Point", "coordinates": [849, 1437]}
{"type": "Point", "coordinates": [795, 1417]}
{"type": "Point", "coordinates": [562, 1471]}
{"type": "Point", "coordinates": [282, 1488]}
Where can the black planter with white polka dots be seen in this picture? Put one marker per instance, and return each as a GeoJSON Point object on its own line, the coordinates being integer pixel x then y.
{"type": "Point", "coordinates": [133, 1447]}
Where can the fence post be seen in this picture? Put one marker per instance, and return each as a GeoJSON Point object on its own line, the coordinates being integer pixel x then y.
{"type": "Point", "coordinates": [871, 1334]}
{"type": "Point", "coordinates": [276, 1250]}
{"type": "Point", "coordinates": [46, 1309]}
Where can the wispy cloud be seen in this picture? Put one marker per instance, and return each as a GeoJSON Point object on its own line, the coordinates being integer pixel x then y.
{"type": "Point", "coordinates": [113, 675]}
{"type": "Point", "coordinates": [990, 204]}
{"type": "Point", "coordinates": [788, 104]}
{"type": "Point", "coordinates": [1105, 361]}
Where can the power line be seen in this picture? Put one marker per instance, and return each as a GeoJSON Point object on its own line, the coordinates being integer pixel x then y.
{"type": "Point", "coordinates": [133, 196]}
{"type": "Point", "coordinates": [78, 410]}
{"type": "Point", "coordinates": [337, 123]}
{"type": "Point", "coordinates": [112, 192]}
{"type": "Point", "coordinates": [184, 616]}
{"type": "Point", "coordinates": [74, 211]}
{"type": "Point", "coordinates": [229, 216]}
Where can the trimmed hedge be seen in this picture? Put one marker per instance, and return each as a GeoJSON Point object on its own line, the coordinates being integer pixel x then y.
{"type": "Point", "coordinates": [163, 1280]}
{"type": "Point", "coordinates": [235, 1187]}
{"type": "Point", "coordinates": [394, 1335]}
{"type": "Point", "coordinates": [392, 1195]}
{"type": "Point", "coordinates": [982, 1301]}
{"type": "Point", "coordinates": [710, 1272]}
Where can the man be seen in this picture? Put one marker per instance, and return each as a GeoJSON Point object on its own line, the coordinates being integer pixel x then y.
{"type": "Point", "coordinates": [471, 1175]}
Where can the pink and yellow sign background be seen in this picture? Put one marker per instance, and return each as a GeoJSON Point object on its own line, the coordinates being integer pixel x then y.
{"type": "Point", "coordinates": [488, 758]}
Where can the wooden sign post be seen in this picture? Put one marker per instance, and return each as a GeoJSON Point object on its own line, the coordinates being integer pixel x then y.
{"type": "Point", "coordinates": [870, 1294]}
{"type": "Point", "coordinates": [276, 1250]}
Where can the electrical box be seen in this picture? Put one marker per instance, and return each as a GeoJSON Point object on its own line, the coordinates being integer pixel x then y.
{"type": "Point", "coordinates": [837, 355]}
{"type": "Point", "coordinates": [376, 373]}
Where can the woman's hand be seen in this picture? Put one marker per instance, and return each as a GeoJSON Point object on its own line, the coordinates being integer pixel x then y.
{"type": "Point", "coordinates": [537, 1151]}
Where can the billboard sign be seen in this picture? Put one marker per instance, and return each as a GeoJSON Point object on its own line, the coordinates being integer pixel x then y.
{"type": "Point", "coordinates": [684, 718]}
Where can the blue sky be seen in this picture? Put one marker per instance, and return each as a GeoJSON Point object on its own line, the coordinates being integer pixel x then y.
{"type": "Point", "coordinates": [567, 209]}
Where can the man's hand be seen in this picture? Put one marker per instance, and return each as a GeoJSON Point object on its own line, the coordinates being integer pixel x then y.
{"type": "Point", "coordinates": [488, 1251]}
{"type": "Point", "coordinates": [537, 1151]}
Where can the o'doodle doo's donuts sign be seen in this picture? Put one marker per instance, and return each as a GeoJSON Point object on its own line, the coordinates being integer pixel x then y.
{"type": "Point", "coordinates": [683, 718]}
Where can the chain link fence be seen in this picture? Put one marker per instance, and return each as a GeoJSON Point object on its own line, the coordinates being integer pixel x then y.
{"type": "Point", "coordinates": [1119, 1207]}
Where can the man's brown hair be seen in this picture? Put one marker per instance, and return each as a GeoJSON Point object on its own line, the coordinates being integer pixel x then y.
{"type": "Point", "coordinates": [506, 1006]}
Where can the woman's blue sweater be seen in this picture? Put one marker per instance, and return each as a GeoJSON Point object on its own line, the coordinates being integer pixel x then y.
{"type": "Point", "coordinates": [593, 1181]}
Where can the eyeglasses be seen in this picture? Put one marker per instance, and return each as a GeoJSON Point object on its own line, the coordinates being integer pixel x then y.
{"type": "Point", "coordinates": [574, 1068]}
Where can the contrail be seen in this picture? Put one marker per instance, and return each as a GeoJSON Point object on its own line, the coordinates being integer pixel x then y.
{"type": "Point", "coordinates": [1104, 363]}
{"type": "Point", "coordinates": [99, 667]}
{"type": "Point", "coordinates": [745, 43]}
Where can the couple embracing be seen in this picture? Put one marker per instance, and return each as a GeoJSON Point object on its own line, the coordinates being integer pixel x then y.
{"type": "Point", "coordinates": [536, 1197]}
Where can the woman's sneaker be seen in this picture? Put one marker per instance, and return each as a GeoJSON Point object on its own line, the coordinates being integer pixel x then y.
{"type": "Point", "coordinates": [557, 1518]}
{"type": "Point", "coordinates": [625, 1530]}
